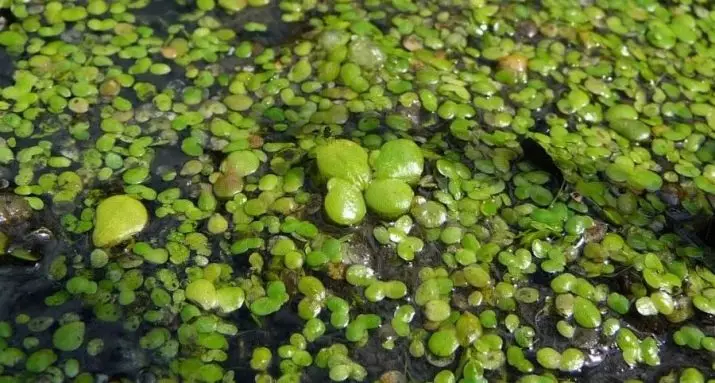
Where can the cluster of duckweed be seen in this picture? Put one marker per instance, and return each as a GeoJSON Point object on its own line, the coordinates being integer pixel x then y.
{"type": "Point", "coordinates": [352, 201]}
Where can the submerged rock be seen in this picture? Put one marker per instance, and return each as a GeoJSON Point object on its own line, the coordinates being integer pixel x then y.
{"type": "Point", "coordinates": [13, 210]}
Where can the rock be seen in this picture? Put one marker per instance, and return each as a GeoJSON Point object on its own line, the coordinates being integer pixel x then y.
{"type": "Point", "coordinates": [13, 210]}
{"type": "Point", "coordinates": [117, 219]}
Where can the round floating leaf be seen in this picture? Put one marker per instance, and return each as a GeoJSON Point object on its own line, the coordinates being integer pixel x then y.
{"type": "Point", "coordinates": [620, 169]}
{"type": "Point", "coordinates": [437, 310]}
{"type": "Point", "coordinates": [586, 313]}
{"type": "Point", "coordinates": [621, 112]}
{"type": "Point", "coordinates": [69, 337]}
{"type": "Point", "coordinates": [431, 214]}
{"type": "Point", "coordinates": [390, 198]}
{"type": "Point", "coordinates": [203, 293]}
{"type": "Point", "coordinates": [633, 130]}
{"type": "Point", "coordinates": [645, 179]}
{"type": "Point", "coordinates": [241, 163]}
{"type": "Point", "coordinates": [118, 218]}
{"type": "Point", "coordinates": [400, 159]}
{"type": "Point", "coordinates": [346, 160]}
{"type": "Point", "coordinates": [230, 298]}
{"type": "Point", "coordinates": [443, 343]}
{"type": "Point", "coordinates": [40, 360]}
{"type": "Point", "coordinates": [344, 203]}
{"type": "Point", "coordinates": [265, 306]}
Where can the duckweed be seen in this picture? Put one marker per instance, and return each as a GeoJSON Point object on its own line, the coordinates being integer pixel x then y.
{"type": "Point", "coordinates": [345, 160]}
{"type": "Point", "coordinates": [344, 203]}
{"type": "Point", "coordinates": [389, 198]}
{"type": "Point", "coordinates": [586, 313]}
{"type": "Point", "coordinates": [69, 337]}
{"type": "Point", "coordinates": [399, 159]}
{"type": "Point", "coordinates": [443, 343]}
{"type": "Point", "coordinates": [203, 293]}
{"type": "Point", "coordinates": [118, 218]}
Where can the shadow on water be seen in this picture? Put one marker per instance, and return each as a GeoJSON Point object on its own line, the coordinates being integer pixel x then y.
{"type": "Point", "coordinates": [540, 158]}
{"type": "Point", "coordinates": [160, 14]}
{"type": "Point", "coordinates": [698, 230]}
{"type": "Point", "coordinates": [277, 31]}
{"type": "Point", "coordinates": [20, 280]}
{"type": "Point", "coordinates": [7, 64]}
{"type": "Point", "coordinates": [7, 68]}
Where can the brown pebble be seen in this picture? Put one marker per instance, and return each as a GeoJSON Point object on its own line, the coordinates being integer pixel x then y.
{"type": "Point", "coordinates": [14, 209]}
